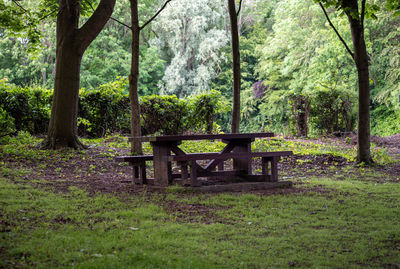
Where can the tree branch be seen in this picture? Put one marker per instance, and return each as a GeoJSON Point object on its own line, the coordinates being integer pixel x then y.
{"type": "Point", "coordinates": [88, 32]}
{"type": "Point", "coordinates": [155, 15]}
{"type": "Point", "coordinates": [336, 31]}
{"type": "Point", "coordinates": [240, 6]}
{"type": "Point", "coordinates": [120, 22]}
{"type": "Point", "coordinates": [48, 14]}
{"type": "Point", "coordinates": [16, 2]}
{"type": "Point", "coordinates": [111, 18]}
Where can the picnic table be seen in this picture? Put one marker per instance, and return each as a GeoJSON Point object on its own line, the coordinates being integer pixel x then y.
{"type": "Point", "coordinates": [238, 148]}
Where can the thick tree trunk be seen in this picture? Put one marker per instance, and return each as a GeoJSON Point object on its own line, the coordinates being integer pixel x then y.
{"type": "Point", "coordinates": [63, 123]}
{"type": "Point", "coordinates": [361, 60]}
{"type": "Point", "coordinates": [62, 130]}
{"type": "Point", "coordinates": [71, 44]}
{"type": "Point", "coordinates": [136, 146]}
{"type": "Point", "coordinates": [236, 67]}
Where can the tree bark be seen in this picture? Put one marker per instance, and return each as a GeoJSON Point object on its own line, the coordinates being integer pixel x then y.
{"type": "Point", "coordinates": [361, 60]}
{"type": "Point", "coordinates": [136, 146]}
{"type": "Point", "coordinates": [71, 44]}
{"type": "Point", "coordinates": [301, 111]}
{"type": "Point", "coordinates": [236, 67]}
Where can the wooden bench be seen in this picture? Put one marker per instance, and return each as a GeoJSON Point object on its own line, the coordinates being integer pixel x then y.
{"type": "Point", "coordinates": [269, 165]}
{"type": "Point", "coordinates": [139, 166]}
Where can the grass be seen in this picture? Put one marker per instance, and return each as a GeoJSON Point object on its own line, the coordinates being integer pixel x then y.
{"type": "Point", "coordinates": [345, 221]}
{"type": "Point", "coordinates": [380, 155]}
{"type": "Point", "coordinates": [331, 224]}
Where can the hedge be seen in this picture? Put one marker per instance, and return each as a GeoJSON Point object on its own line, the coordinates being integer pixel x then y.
{"type": "Point", "coordinates": [106, 110]}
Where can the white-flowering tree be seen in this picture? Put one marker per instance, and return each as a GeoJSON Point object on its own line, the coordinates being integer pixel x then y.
{"type": "Point", "coordinates": [191, 34]}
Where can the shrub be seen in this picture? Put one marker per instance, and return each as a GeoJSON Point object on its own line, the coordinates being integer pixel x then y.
{"type": "Point", "coordinates": [203, 111]}
{"type": "Point", "coordinates": [28, 109]}
{"type": "Point", "coordinates": [332, 111]}
{"type": "Point", "coordinates": [105, 109]}
{"type": "Point", "coordinates": [162, 114]}
{"type": "Point", "coordinates": [384, 121]}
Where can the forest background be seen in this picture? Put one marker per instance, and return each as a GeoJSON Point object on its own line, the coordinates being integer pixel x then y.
{"type": "Point", "coordinates": [296, 74]}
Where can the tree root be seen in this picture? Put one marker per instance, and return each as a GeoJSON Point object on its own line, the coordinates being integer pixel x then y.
{"type": "Point", "coordinates": [54, 143]}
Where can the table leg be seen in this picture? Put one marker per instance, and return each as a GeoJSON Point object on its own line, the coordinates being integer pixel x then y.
{"type": "Point", "coordinates": [243, 164]}
{"type": "Point", "coordinates": [162, 167]}
{"type": "Point", "coordinates": [193, 174]}
{"type": "Point", "coordinates": [274, 169]}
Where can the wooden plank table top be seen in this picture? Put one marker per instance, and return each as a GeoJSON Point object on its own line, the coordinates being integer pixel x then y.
{"type": "Point", "coordinates": [172, 138]}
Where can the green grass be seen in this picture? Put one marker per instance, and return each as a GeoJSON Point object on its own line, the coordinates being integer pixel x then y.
{"type": "Point", "coordinates": [379, 155]}
{"type": "Point", "coordinates": [332, 224]}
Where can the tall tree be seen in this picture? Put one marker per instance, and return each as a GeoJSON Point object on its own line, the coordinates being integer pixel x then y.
{"type": "Point", "coordinates": [71, 43]}
{"type": "Point", "coordinates": [356, 15]}
{"type": "Point", "coordinates": [236, 66]}
{"type": "Point", "coordinates": [136, 146]}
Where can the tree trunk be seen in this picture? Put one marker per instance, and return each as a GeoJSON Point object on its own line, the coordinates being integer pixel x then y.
{"type": "Point", "coordinates": [301, 111]}
{"type": "Point", "coordinates": [361, 60]}
{"type": "Point", "coordinates": [236, 67]}
{"type": "Point", "coordinates": [136, 146]}
{"type": "Point", "coordinates": [71, 44]}
{"type": "Point", "coordinates": [64, 113]}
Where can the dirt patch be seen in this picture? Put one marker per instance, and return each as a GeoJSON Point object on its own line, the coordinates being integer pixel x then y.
{"type": "Point", "coordinates": [194, 213]}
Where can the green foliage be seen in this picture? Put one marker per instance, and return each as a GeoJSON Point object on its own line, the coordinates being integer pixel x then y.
{"type": "Point", "coordinates": [332, 111]}
{"type": "Point", "coordinates": [21, 22]}
{"type": "Point", "coordinates": [151, 70]}
{"type": "Point", "coordinates": [162, 114]}
{"type": "Point", "coordinates": [7, 126]}
{"type": "Point", "coordinates": [385, 122]}
{"type": "Point", "coordinates": [204, 109]}
{"type": "Point", "coordinates": [27, 108]}
{"type": "Point", "coordinates": [287, 45]}
{"type": "Point", "coordinates": [105, 109]}
{"type": "Point", "coordinates": [380, 156]}
{"type": "Point", "coordinates": [190, 34]}
{"type": "Point", "coordinates": [171, 115]}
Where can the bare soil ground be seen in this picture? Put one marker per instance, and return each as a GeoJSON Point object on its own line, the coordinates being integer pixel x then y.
{"type": "Point", "coordinates": [96, 170]}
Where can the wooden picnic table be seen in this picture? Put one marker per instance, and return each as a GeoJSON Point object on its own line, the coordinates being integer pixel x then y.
{"type": "Point", "coordinates": [238, 148]}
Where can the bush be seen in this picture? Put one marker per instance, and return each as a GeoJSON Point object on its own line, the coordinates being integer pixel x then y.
{"type": "Point", "coordinates": [384, 121]}
{"type": "Point", "coordinates": [204, 109]}
{"type": "Point", "coordinates": [107, 110]}
{"type": "Point", "coordinates": [27, 109]}
{"type": "Point", "coordinates": [6, 126]}
{"type": "Point", "coordinates": [332, 111]}
{"type": "Point", "coordinates": [103, 110]}
{"type": "Point", "coordinates": [163, 114]}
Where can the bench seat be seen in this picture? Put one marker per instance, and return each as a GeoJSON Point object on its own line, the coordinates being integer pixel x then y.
{"type": "Point", "coordinates": [269, 164]}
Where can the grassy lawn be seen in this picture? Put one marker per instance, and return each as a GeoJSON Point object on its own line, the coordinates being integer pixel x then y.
{"type": "Point", "coordinates": [346, 219]}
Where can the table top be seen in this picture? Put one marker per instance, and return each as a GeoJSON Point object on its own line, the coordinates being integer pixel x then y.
{"type": "Point", "coordinates": [168, 138]}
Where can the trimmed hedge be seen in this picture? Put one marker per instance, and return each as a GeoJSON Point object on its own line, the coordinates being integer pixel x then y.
{"type": "Point", "coordinates": [26, 109]}
{"type": "Point", "coordinates": [107, 110]}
